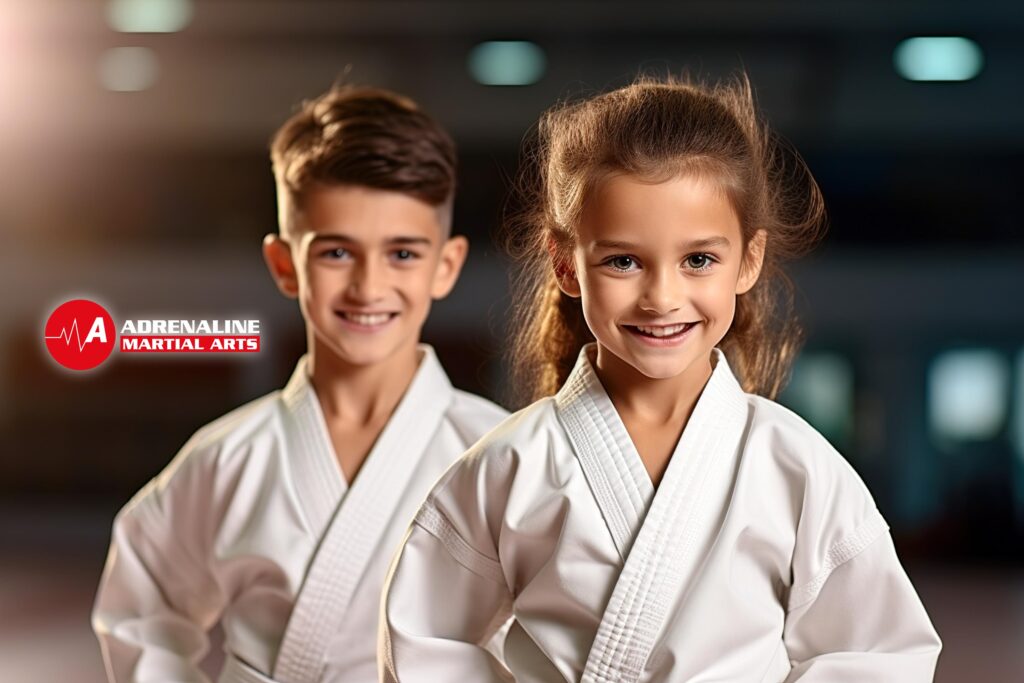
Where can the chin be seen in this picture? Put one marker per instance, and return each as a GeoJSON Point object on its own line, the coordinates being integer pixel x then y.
{"type": "Point", "coordinates": [364, 359]}
{"type": "Point", "coordinates": [658, 370]}
{"type": "Point", "coordinates": [360, 354]}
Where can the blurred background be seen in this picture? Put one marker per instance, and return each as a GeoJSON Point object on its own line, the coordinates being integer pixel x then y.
{"type": "Point", "coordinates": [133, 139]}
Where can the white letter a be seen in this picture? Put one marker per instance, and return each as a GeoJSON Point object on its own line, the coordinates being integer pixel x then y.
{"type": "Point", "coordinates": [97, 332]}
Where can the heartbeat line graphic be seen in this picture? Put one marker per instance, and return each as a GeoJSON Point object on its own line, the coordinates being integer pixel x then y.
{"type": "Point", "coordinates": [66, 335]}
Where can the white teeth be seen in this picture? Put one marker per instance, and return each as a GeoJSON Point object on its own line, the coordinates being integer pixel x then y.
{"type": "Point", "coordinates": [367, 318]}
{"type": "Point", "coordinates": [662, 331]}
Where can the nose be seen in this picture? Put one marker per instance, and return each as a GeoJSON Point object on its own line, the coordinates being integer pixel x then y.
{"type": "Point", "coordinates": [367, 283]}
{"type": "Point", "coordinates": [662, 291]}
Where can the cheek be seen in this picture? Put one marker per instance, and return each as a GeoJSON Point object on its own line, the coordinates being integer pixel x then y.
{"type": "Point", "coordinates": [607, 297]}
{"type": "Point", "coordinates": [309, 295]}
{"type": "Point", "coordinates": [318, 283]}
{"type": "Point", "coordinates": [716, 300]}
{"type": "Point", "coordinates": [431, 274]}
{"type": "Point", "coordinates": [415, 284]}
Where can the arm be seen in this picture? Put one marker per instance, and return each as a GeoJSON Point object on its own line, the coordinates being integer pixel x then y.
{"type": "Point", "coordinates": [860, 618]}
{"type": "Point", "coordinates": [445, 597]}
{"type": "Point", "coordinates": [156, 599]}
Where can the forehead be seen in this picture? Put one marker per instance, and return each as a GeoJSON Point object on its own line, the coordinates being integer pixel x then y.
{"type": "Point", "coordinates": [367, 215]}
{"type": "Point", "coordinates": [627, 208]}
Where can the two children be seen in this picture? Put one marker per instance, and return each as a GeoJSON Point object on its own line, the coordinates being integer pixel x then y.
{"type": "Point", "coordinates": [279, 519]}
{"type": "Point", "coordinates": [651, 517]}
{"type": "Point", "coordinates": [658, 518]}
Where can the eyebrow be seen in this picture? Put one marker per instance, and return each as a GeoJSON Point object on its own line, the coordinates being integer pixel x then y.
{"type": "Point", "coordinates": [340, 237]}
{"type": "Point", "coordinates": [693, 244]}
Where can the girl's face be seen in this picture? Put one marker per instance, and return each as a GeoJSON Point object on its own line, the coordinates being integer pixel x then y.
{"type": "Point", "coordinates": [658, 267]}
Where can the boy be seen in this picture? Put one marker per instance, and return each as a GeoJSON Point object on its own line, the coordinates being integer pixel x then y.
{"type": "Point", "coordinates": [279, 519]}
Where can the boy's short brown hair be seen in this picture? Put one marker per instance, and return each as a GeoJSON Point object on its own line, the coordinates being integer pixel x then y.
{"type": "Point", "coordinates": [370, 137]}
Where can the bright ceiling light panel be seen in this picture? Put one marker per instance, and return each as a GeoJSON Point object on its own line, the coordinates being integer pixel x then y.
{"type": "Point", "coordinates": [938, 58]}
{"type": "Point", "coordinates": [507, 62]}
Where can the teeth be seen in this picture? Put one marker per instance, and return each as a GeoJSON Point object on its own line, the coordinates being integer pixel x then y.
{"type": "Point", "coordinates": [367, 318]}
{"type": "Point", "coordinates": [662, 331]}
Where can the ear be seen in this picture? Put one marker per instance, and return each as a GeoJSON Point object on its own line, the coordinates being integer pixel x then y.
{"type": "Point", "coordinates": [753, 260]}
{"type": "Point", "coordinates": [278, 256]}
{"type": "Point", "coordinates": [453, 256]}
{"type": "Point", "coordinates": [565, 270]}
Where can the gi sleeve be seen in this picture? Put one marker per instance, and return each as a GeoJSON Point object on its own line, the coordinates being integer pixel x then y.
{"type": "Point", "coordinates": [852, 613]}
{"type": "Point", "coordinates": [446, 595]}
{"type": "Point", "coordinates": [865, 623]}
{"type": "Point", "coordinates": [157, 599]}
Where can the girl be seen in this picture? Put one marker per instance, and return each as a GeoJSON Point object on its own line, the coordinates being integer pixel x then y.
{"type": "Point", "coordinates": [659, 518]}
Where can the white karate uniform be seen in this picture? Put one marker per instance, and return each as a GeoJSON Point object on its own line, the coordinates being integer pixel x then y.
{"type": "Point", "coordinates": [253, 525]}
{"type": "Point", "coordinates": [760, 557]}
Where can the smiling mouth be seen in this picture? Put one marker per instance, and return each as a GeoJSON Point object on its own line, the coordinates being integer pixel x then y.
{"type": "Point", "coordinates": [366, 319]}
{"type": "Point", "coordinates": [661, 331]}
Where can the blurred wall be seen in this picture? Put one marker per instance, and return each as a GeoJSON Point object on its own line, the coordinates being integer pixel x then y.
{"type": "Point", "coordinates": [154, 201]}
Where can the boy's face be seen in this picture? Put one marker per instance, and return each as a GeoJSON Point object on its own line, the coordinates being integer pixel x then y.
{"type": "Point", "coordinates": [658, 267]}
{"type": "Point", "coordinates": [365, 265]}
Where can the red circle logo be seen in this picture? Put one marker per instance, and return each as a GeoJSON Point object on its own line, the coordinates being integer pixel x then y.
{"type": "Point", "coordinates": [80, 334]}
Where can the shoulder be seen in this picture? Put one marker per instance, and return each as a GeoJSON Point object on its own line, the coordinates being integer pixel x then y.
{"type": "Point", "coordinates": [239, 428]}
{"type": "Point", "coordinates": [473, 416]}
{"type": "Point", "coordinates": [521, 431]}
{"type": "Point", "coordinates": [225, 443]}
{"type": "Point", "coordinates": [474, 492]}
{"type": "Point", "coordinates": [189, 490]}
{"type": "Point", "coordinates": [791, 444]}
{"type": "Point", "coordinates": [241, 421]}
{"type": "Point", "coordinates": [519, 439]}
{"type": "Point", "coordinates": [766, 414]}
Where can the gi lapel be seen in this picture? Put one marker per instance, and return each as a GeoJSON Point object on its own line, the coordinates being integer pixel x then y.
{"type": "Point", "coordinates": [360, 521]}
{"type": "Point", "coordinates": [612, 466]}
{"type": "Point", "coordinates": [676, 533]}
{"type": "Point", "coordinates": [319, 484]}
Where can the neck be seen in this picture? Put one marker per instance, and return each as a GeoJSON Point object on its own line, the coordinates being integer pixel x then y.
{"type": "Point", "coordinates": [657, 401]}
{"type": "Point", "coordinates": [360, 393]}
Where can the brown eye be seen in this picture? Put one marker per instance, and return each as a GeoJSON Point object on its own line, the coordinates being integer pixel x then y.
{"type": "Point", "coordinates": [698, 261]}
